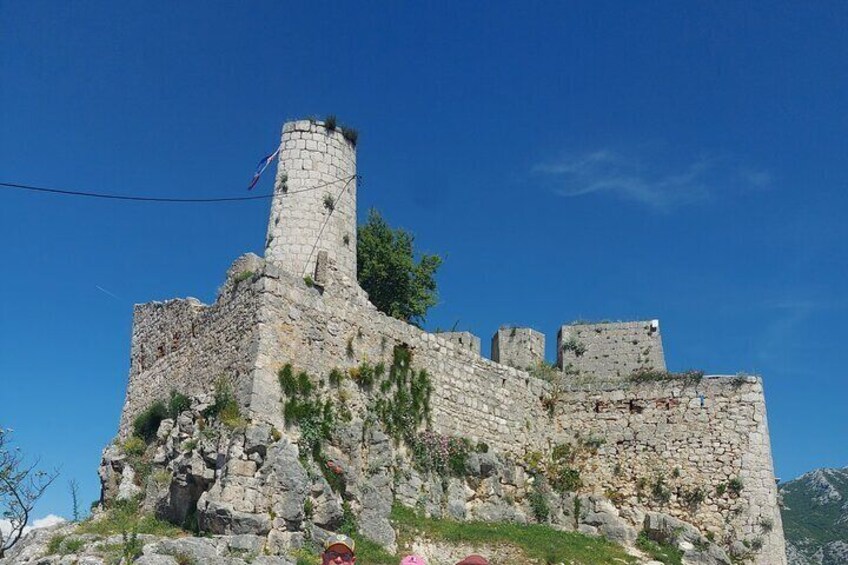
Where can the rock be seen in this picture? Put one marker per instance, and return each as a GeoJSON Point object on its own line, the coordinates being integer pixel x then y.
{"type": "Point", "coordinates": [156, 560]}
{"type": "Point", "coordinates": [245, 543]}
{"type": "Point", "coordinates": [327, 512]}
{"type": "Point", "coordinates": [376, 507]}
{"type": "Point", "coordinates": [127, 489]}
{"type": "Point", "coordinates": [456, 499]}
{"type": "Point", "coordinates": [489, 464]}
{"type": "Point", "coordinates": [165, 427]}
{"type": "Point", "coordinates": [257, 438]}
{"type": "Point", "coordinates": [220, 518]}
{"type": "Point", "coordinates": [200, 550]}
{"type": "Point", "coordinates": [286, 481]}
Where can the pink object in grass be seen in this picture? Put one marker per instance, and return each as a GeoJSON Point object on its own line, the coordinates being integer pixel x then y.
{"type": "Point", "coordinates": [413, 560]}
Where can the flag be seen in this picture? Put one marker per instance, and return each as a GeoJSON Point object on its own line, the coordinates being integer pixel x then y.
{"type": "Point", "coordinates": [260, 168]}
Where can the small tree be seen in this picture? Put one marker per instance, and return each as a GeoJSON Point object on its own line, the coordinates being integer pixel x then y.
{"type": "Point", "coordinates": [387, 270]}
{"type": "Point", "coordinates": [21, 485]}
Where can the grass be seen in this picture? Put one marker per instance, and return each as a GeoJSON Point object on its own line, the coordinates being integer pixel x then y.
{"type": "Point", "coordinates": [124, 516]}
{"type": "Point", "coordinates": [537, 542]}
{"type": "Point", "coordinates": [664, 553]}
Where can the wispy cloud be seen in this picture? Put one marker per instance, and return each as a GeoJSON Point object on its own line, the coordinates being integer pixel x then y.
{"type": "Point", "coordinates": [46, 522]}
{"type": "Point", "coordinates": [660, 188]}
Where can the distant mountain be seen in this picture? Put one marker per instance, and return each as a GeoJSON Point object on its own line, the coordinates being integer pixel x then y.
{"type": "Point", "coordinates": [815, 517]}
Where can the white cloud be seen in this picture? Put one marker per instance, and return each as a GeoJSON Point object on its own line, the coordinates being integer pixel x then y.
{"type": "Point", "coordinates": [660, 188]}
{"type": "Point", "coordinates": [46, 522]}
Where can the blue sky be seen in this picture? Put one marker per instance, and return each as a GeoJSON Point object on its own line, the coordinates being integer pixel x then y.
{"type": "Point", "coordinates": [571, 160]}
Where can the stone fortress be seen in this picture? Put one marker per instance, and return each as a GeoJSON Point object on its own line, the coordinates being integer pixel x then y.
{"type": "Point", "coordinates": [653, 441]}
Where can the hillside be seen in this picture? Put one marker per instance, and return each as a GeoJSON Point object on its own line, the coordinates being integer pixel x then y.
{"type": "Point", "coordinates": [815, 517]}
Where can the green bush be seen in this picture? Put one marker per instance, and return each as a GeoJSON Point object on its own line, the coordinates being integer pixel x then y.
{"type": "Point", "coordinates": [539, 505]}
{"type": "Point", "coordinates": [147, 423]}
{"type": "Point", "coordinates": [330, 122]}
{"type": "Point", "coordinates": [225, 406]}
{"type": "Point", "coordinates": [177, 404]}
{"type": "Point", "coordinates": [135, 446]}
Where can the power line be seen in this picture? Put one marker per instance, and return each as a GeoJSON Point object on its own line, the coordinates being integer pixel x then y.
{"type": "Point", "coordinates": [108, 196]}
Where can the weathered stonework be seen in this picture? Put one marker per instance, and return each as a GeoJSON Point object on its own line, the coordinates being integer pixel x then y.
{"type": "Point", "coordinates": [314, 205]}
{"type": "Point", "coordinates": [672, 445]}
{"type": "Point", "coordinates": [518, 347]}
{"type": "Point", "coordinates": [610, 349]}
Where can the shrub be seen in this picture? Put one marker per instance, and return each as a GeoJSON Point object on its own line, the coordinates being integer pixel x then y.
{"type": "Point", "coordinates": [55, 544]}
{"type": "Point", "coordinates": [131, 546]}
{"type": "Point", "coordinates": [444, 455]}
{"type": "Point", "coordinates": [316, 419]}
{"type": "Point", "coordinates": [308, 281]}
{"type": "Point", "coordinates": [694, 497]}
{"type": "Point", "coordinates": [147, 423]}
{"type": "Point", "coordinates": [574, 346]}
{"type": "Point", "coordinates": [351, 135]}
{"type": "Point", "coordinates": [329, 203]}
{"type": "Point", "coordinates": [308, 508]}
{"type": "Point", "coordinates": [225, 406]}
{"type": "Point", "coordinates": [766, 524]}
{"type": "Point", "coordinates": [545, 371]}
{"type": "Point", "coordinates": [335, 377]}
{"type": "Point", "coordinates": [735, 485]}
{"type": "Point", "coordinates": [644, 375]}
{"type": "Point", "coordinates": [177, 404]}
{"type": "Point", "coordinates": [660, 491]}
{"type": "Point", "coordinates": [539, 505]}
{"type": "Point", "coordinates": [330, 122]}
{"type": "Point", "coordinates": [243, 276]}
{"type": "Point", "coordinates": [721, 488]}
{"type": "Point", "coordinates": [135, 446]}
{"type": "Point", "coordinates": [74, 545]}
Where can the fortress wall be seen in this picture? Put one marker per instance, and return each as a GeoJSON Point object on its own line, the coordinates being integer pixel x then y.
{"type": "Point", "coordinates": [661, 431]}
{"type": "Point", "coordinates": [648, 430]}
{"type": "Point", "coordinates": [473, 397]}
{"type": "Point", "coordinates": [613, 349]}
{"type": "Point", "coordinates": [186, 346]}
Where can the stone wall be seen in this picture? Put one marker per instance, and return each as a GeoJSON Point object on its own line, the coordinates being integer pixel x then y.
{"type": "Point", "coordinates": [462, 339]}
{"type": "Point", "coordinates": [613, 349]}
{"type": "Point", "coordinates": [314, 206]}
{"type": "Point", "coordinates": [665, 445]}
{"type": "Point", "coordinates": [186, 346]}
{"type": "Point", "coordinates": [683, 435]}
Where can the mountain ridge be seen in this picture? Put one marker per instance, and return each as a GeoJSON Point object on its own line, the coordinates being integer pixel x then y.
{"type": "Point", "coordinates": [815, 517]}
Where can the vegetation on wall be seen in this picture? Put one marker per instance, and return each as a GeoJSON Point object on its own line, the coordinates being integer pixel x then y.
{"type": "Point", "coordinates": [396, 283]}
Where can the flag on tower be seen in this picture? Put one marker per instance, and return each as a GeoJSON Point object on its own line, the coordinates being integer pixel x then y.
{"type": "Point", "coordinates": [260, 168]}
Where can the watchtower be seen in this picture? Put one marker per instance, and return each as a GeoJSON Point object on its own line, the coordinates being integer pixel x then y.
{"type": "Point", "coordinates": [314, 207]}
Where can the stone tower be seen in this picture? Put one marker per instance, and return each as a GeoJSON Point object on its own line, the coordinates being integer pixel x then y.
{"type": "Point", "coordinates": [314, 206]}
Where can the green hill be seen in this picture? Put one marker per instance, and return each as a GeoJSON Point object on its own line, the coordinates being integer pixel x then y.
{"type": "Point", "coordinates": [815, 517]}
